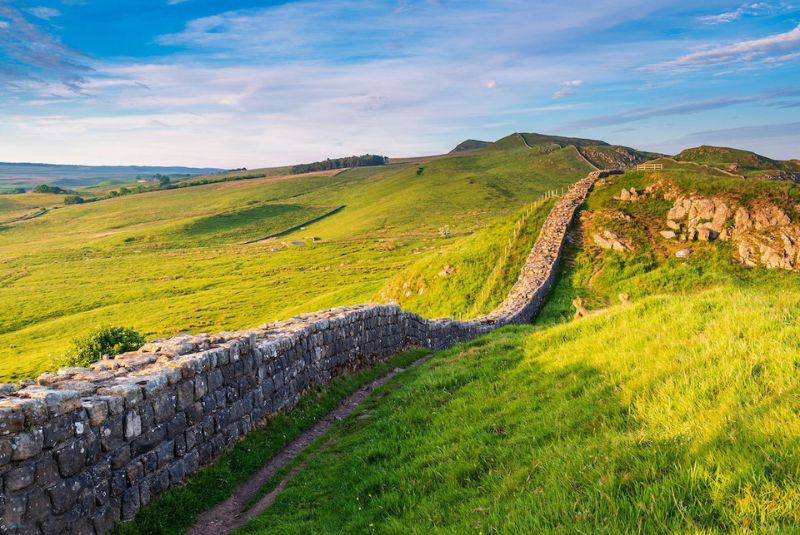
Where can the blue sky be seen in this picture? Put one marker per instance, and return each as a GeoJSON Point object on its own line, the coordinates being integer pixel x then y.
{"type": "Point", "coordinates": [254, 83]}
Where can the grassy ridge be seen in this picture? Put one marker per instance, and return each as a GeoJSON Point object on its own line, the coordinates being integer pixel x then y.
{"type": "Point", "coordinates": [171, 261]}
{"type": "Point", "coordinates": [570, 429]}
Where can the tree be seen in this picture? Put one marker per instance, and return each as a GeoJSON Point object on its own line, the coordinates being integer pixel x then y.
{"type": "Point", "coordinates": [73, 199]}
{"type": "Point", "coordinates": [44, 188]}
{"type": "Point", "coordinates": [103, 342]}
{"type": "Point", "coordinates": [163, 180]}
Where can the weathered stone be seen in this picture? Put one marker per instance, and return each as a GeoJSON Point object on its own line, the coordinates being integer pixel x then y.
{"type": "Point", "coordinates": [26, 444]}
{"type": "Point", "coordinates": [5, 452]}
{"type": "Point", "coordinates": [47, 473]}
{"type": "Point", "coordinates": [130, 503]}
{"type": "Point", "coordinates": [71, 457]}
{"type": "Point", "coordinates": [133, 425]}
{"type": "Point", "coordinates": [668, 234]}
{"type": "Point", "coordinates": [20, 477]}
{"type": "Point", "coordinates": [57, 402]}
{"type": "Point", "coordinates": [684, 253]}
{"type": "Point", "coordinates": [97, 409]}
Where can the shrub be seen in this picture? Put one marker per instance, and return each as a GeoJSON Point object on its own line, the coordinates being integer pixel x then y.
{"type": "Point", "coordinates": [73, 199]}
{"type": "Point", "coordinates": [101, 343]}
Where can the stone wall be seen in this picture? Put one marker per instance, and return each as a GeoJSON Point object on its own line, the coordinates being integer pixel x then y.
{"type": "Point", "coordinates": [86, 447]}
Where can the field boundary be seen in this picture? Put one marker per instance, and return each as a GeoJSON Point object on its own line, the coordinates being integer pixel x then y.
{"type": "Point", "coordinates": [84, 448]}
{"type": "Point", "coordinates": [297, 227]}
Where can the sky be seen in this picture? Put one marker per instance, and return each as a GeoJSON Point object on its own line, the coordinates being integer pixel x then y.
{"type": "Point", "coordinates": [247, 83]}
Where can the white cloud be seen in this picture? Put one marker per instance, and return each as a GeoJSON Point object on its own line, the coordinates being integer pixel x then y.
{"type": "Point", "coordinates": [4, 24]}
{"type": "Point", "coordinates": [753, 50]}
{"type": "Point", "coordinates": [756, 8]}
{"type": "Point", "coordinates": [43, 12]}
{"type": "Point", "coordinates": [491, 84]}
{"type": "Point", "coordinates": [567, 88]}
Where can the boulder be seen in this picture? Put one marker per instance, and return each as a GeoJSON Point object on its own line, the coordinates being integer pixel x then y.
{"type": "Point", "coordinates": [610, 240]}
{"type": "Point", "coordinates": [674, 225]}
{"type": "Point", "coordinates": [668, 234]}
{"type": "Point", "coordinates": [684, 253]}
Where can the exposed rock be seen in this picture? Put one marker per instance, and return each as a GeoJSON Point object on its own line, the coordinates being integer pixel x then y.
{"type": "Point", "coordinates": [684, 253]}
{"type": "Point", "coordinates": [580, 307]}
{"type": "Point", "coordinates": [447, 270]}
{"type": "Point", "coordinates": [668, 234]}
{"type": "Point", "coordinates": [624, 298]}
{"type": "Point", "coordinates": [610, 240]}
{"type": "Point", "coordinates": [674, 225]}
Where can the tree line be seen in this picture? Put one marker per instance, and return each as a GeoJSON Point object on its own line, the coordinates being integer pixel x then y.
{"type": "Point", "coordinates": [340, 163]}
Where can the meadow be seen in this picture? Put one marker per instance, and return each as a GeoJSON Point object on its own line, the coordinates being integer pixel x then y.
{"type": "Point", "coordinates": [675, 413]}
{"type": "Point", "coordinates": [175, 261]}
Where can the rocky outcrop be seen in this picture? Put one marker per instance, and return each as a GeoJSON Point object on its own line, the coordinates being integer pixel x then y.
{"type": "Point", "coordinates": [697, 218]}
{"type": "Point", "coordinates": [763, 234]}
{"type": "Point", "coordinates": [610, 240]}
{"type": "Point", "coordinates": [83, 448]}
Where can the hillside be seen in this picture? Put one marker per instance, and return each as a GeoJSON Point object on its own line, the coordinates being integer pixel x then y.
{"type": "Point", "coordinates": [668, 414]}
{"type": "Point", "coordinates": [175, 260]}
{"type": "Point", "coordinates": [597, 153]}
{"type": "Point", "coordinates": [663, 405]}
{"type": "Point", "coordinates": [741, 162]}
{"type": "Point", "coordinates": [673, 414]}
{"type": "Point", "coordinates": [470, 144]}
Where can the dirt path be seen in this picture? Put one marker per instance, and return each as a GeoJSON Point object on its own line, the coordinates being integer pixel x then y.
{"type": "Point", "coordinates": [229, 515]}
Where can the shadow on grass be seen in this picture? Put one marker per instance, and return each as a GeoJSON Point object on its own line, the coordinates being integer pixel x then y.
{"type": "Point", "coordinates": [481, 439]}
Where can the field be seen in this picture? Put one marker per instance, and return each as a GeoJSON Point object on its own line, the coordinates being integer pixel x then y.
{"type": "Point", "coordinates": [676, 413]}
{"type": "Point", "coordinates": [672, 414]}
{"type": "Point", "coordinates": [175, 261]}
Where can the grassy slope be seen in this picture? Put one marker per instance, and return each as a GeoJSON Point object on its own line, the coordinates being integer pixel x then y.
{"type": "Point", "coordinates": [677, 413]}
{"type": "Point", "coordinates": [477, 282]}
{"type": "Point", "coordinates": [172, 261]}
{"type": "Point", "coordinates": [570, 429]}
{"type": "Point", "coordinates": [22, 204]}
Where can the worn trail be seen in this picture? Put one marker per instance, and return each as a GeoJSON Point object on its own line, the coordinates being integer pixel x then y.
{"type": "Point", "coordinates": [231, 514]}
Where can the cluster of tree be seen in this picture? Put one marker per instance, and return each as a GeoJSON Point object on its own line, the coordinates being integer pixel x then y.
{"type": "Point", "coordinates": [73, 199]}
{"type": "Point", "coordinates": [44, 188]}
{"type": "Point", "coordinates": [340, 163]}
{"type": "Point", "coordinates": [13, 191]}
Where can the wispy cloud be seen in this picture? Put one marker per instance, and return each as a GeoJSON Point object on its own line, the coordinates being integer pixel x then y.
{"type": "Point", "coordinates": [683, 108]}
{"type": "Point", "coordinates": [43, 12]}
{"type": "Point", "coordinates": [776, 47]}
{"type": "Point", "coordinates": [567, 88]}
{"type": "Point", "coordinates": [725, 17]}
{"type": "Point", "coordinates": [34, 55]}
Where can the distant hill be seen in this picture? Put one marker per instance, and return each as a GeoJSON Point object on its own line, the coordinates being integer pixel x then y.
{"type": "Point", "coordinates": [742, 162]}
{"type": "Point", "coordinates": [470, 144]}
{"type": "Point", "coordinates": [30, 174]}
{"type": "Point", "coordinates": [598, 153]}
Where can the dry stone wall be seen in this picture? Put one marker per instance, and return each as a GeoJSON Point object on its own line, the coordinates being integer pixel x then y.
{"type": "Point", "coordinates": [84, 448]}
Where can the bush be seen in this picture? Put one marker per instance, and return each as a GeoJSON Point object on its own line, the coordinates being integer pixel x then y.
{"type": "Point", "coordinates": [73, 199]}
{"type": "Point", "coordinates": [101, 343]}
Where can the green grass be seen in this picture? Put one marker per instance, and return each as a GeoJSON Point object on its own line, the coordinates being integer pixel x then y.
{"type": "Point", "coordinates": [465, 279]}
{"type": "Point", "coordinates": [173, 261]}
{"type": "Point", "coordinates": [676, 414]}
{"type": "Point", "coordinates": [174, 511]}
